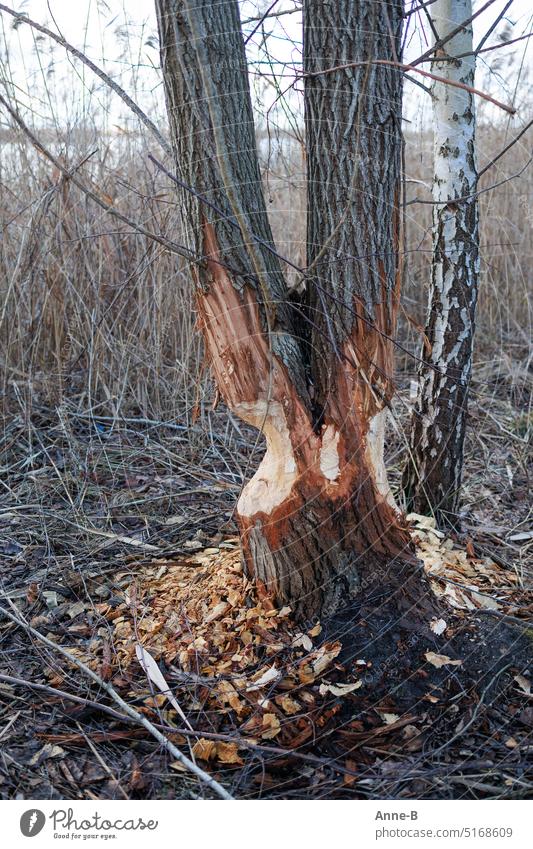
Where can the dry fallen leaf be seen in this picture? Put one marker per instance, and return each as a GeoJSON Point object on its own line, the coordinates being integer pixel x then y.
{"type": "Point", "coordinates": [327, 653]}
{"type": "Point", "coordinates": [267, 677]}
{"type": "Point", "coordinates": [484, 600]}
{"type": "Point", "coordinates": [228, 694]}
{"type": "Point", "coordinates": [209, 750]}
{"type": "Point", "coordinates": [523, 683]}
{"type": "Point", "coordinates": [427, 522]}
{"type": "Point", "coordinates": [389, 718]}
{"type": "Point", "coordinates": [338, 689]}
{"type": "Point", "coordinates": [429, 698]}
{"type": "Point", "coordinates": [76, 609]}
{"type": "Point", "coordinates": [218, 611]}
{"type": "Point", "coordinates": [157, 701]}
{"type": "Point", "coordinates": [227, 753]}
{"type": "Point", "coordinates": [204, 749]}
{"type": "Point", "coordinates": [271, 726]}
{"type": "Point", "coordinates": [305, 674]}
{"type": "Point", "coordinates": [178, 766]}
{"type": "Point", "coordinates": [439, 660]}
{"type": "Point", "coordinates": [48, 751]}
{"type": "Point", "coordinates": [288, 705]}
{"type": "Point", "coordinates": [349, 780]}
{"type": "Point", "coordinates": [303, 641]}
{"type": "Point", "coordinates": [438, 626]}
{"type": "Point", "coordinates": [414, 739]}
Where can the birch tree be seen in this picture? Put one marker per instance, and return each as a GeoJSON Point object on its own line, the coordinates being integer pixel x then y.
{"type": "Point", "coordinates": [317, 520]}
{"type": "Point", "coordinates": [432, 478]}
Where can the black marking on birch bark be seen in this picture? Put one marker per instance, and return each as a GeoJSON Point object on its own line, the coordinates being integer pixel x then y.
{"type": "Point", "coordinates": [432, 477]}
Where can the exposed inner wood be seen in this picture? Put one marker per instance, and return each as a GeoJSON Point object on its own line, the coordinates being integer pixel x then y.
{"type": "Point", "coordinates": [317, 518]}
{"type": "Point", "coordinates": [318, 511]}
{"type": "Point", "coordinates": [329, 453]}
{"type": "Point", "coordinates": [274, 479]}
{"type": "Point", "coordinates": [375, 442]}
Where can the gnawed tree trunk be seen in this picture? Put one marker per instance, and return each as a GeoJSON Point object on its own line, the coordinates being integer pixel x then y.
{"type": "Point", "coordinates": [316, 520]}
{"type": "Point", "coordinates": [354, 142]}
{"type": "Point", "coordinates": [432, 478]}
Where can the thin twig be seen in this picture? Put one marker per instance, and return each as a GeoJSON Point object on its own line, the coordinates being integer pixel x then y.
{"type": "Point", "coordinates": [242, 742]}
{"type": "Point", "coordinates": [62, 694]}
{"type": "Point", "coordinates": [181, 250]}
{"type": "Point", "coordinates": [260, 22]}
{"type": "Point", "coordinates": [459, 28]}
{"type": "Point", "coordinates": [207, 779]}
{"type": "Point", "coordinates": [506, 148]}
{"type": "Point", "coordinates": [493, 27]}
{"type": "Point", "coordinates": [404, 67]}
{"type": "Point", "coordinates": [148, 123]}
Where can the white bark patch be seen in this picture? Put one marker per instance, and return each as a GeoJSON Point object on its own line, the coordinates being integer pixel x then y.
{"type": "Point", "coordinates": [375, 441]}
{"type": "Point", "coordinates": [277, 472]}
{"type": "Point", "coordinates": [329, 454]}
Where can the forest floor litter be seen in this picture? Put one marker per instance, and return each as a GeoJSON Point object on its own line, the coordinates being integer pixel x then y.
{"type": "Point", "coordinates": [119, 546]}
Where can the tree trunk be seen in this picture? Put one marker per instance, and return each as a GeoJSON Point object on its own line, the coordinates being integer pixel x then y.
{"type": "Point", "coordinates": [317, 520]}
{"type": "Point", "coordinates": [432, 477]}
{"type": "Point", "coordinates": [354, 143]}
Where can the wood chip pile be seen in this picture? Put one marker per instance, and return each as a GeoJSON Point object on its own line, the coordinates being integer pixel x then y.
{"type": "Point", "coordinates": [234, 661]}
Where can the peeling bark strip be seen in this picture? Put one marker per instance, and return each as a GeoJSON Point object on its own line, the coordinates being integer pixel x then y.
{"type": "Point", "coordinates": [432, 478]}
{"type": "Point", "coordinates": [317, 518]}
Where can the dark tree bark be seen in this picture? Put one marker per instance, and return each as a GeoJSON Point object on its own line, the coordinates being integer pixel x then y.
{"type": "Point", "coordinates": [317, 519]}
{"type": "Point", "coordinates": [432, 477]}
{"type": "Point", "coordinates": [354, 143]}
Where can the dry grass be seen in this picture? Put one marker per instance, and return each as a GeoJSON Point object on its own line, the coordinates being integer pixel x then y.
{"type": "Point", "coordinates": [89, 308]}
{"type": "Point", "coordinates": [106, 471]}
{"type": "Point", "coordinates": [98, 330]}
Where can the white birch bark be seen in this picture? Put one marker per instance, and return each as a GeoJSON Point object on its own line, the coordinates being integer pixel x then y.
{"type": "Point", "coordinates": [433, 477]}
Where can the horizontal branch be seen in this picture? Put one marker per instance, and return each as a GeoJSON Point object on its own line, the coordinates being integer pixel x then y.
{"type": "Point", "coordinates": [464, 198]}
{"type": "Point", "coordinates": [411, 68]}
{"type": "Point", "coordinates": [478, 51]}
{"type": "Point", "coordinates": [264, 17]}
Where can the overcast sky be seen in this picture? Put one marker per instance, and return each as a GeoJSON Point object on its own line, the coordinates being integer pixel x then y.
{"type": "Point", "coordinates": [121, 36]}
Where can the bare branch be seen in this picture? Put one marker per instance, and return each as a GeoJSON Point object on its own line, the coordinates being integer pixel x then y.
{"type": "Point", "coordinates": [493, 26]}
{"type": "Point", "coordinates": [438, 44]}
{"type": "Point", "coordinates": [174, 247]}
{"type": "Point", "coordinates": [260, 22]}
{"type": "Point", "coordinates": [148, 123]}
{"type": "Point", "coordinates": [130, 711]}
{"type": "Point", "coordinates": [403, 67]}
{"type": "Point", "coordinates": [506, 148]}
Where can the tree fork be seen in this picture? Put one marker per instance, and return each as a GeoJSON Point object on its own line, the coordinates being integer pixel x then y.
{"type": "Point", "coordinates": [312, 518]}
{"type": "Point", "coordinates": [317, 520]}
